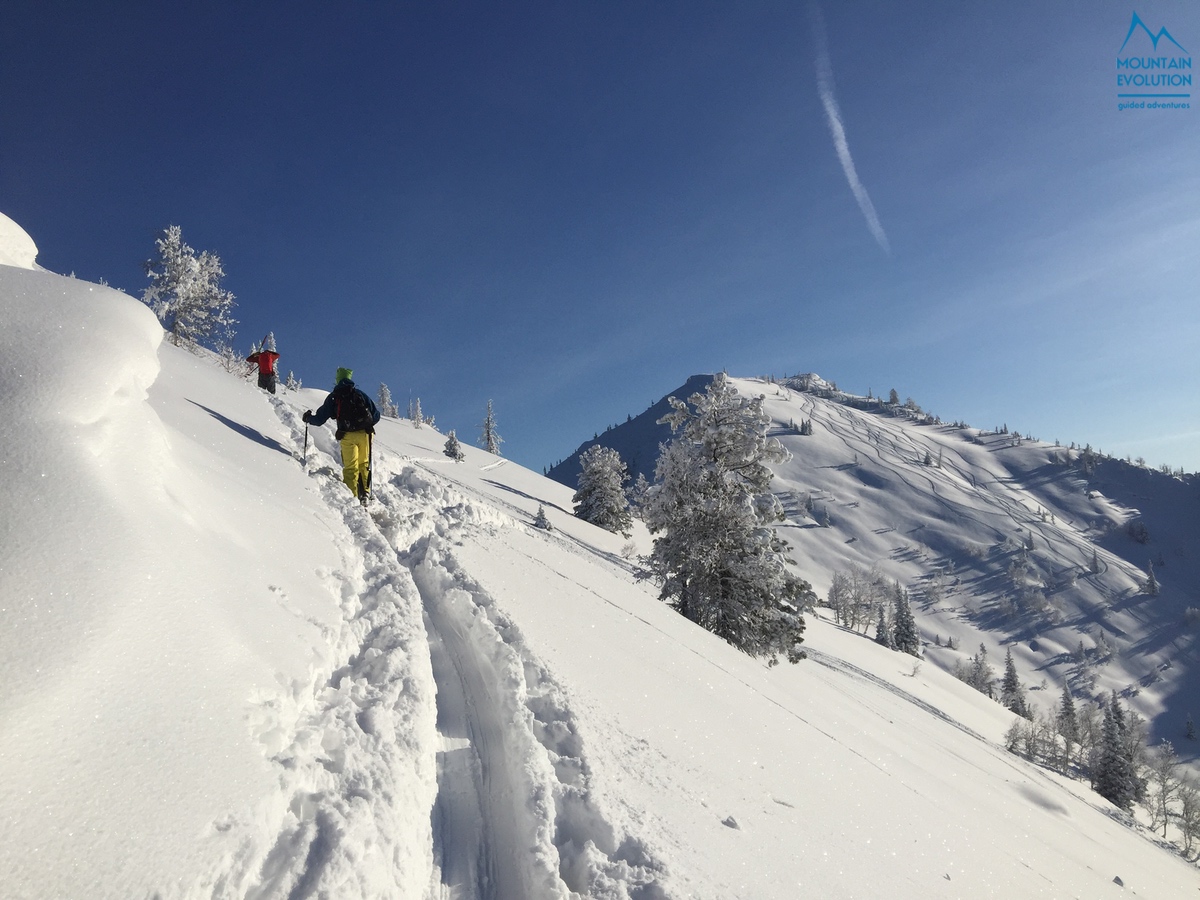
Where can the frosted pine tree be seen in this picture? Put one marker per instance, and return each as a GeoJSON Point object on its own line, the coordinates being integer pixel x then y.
{"type": "Point", "coordinates": [489, 438]}
{"type": "Point", "coordinates": [601, 496]}
{"type": "Point", "coordinates": [1012, 695]}
{"type": "Point", "coordinates": [185, 292]}
{"type": "Point", "coordinates": [292, 383]}
{"type": "Point", "coordinates": [387, 406]}
{"type": "Point", "coordinates": [418, 418]}
{"type": "Point", "coordinates": [717, 559]}
{"type": "Point", "coordinates": [638, 495]}
{"type": "Point", "coordinates": [905, 636]}
{"type": "Point", "coordinates": [883, 634]}
{"type": "Point", "coordinates": [1066, 724]}
{"type": "Point", "coordinates": [1150, 587]}
{"type": "Point", "coordinates": [1113, 775]}
{"type": "Point", "coordinates": [453, 450]}
{"type": "Point", "coordinates": [540, 520]}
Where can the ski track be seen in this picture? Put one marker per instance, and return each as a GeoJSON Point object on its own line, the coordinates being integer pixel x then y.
{"type": "Point", "coordinates": [429, 699]}
{"type": "Point", "coordinates": [855, 431]}
{"type": "Point", "coordinates": [352, 748]}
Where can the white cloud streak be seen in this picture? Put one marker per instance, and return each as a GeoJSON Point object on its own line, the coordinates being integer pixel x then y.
{"type": "Point", "coordinates": [833, 115]}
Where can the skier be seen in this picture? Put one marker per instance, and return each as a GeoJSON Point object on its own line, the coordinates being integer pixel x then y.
{"type": "Point", "coordinates": [356, 417]}
{"type": "Point", "coordinates": [266, 358]}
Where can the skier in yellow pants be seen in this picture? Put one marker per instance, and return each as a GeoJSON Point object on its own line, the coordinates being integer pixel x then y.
{"type": "Point", "coordinates": [356, 417]}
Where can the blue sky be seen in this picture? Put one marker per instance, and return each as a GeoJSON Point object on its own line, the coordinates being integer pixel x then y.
{"type": "Point", "coordinates": [571, 207]}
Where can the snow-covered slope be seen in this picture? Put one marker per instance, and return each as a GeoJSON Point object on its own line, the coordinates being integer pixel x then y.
{"type": "Point", "coordinates": [220, 677]}
{"type": "Point", "coordinates": [995, 537]}
{"type": "Point", "coordinates": [16, 247]}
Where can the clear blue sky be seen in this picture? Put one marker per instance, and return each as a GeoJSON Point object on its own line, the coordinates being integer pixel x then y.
{"type": "Point", "coordinates": [570, 207]}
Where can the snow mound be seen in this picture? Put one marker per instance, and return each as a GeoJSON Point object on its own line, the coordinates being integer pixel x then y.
{"type": "Point", "coordinates": [16, 247]}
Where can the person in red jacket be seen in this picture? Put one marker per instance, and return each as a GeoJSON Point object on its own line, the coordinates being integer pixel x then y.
{"type": "Point", "coordinates": [267, 359]}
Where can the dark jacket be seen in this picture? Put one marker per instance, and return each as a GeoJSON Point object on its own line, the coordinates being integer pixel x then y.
{"type": "Point", "coordinates": [332, 407]}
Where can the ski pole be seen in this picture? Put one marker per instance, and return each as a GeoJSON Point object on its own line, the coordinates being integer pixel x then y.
{"type": "Point", "coordinates": [304, 461]}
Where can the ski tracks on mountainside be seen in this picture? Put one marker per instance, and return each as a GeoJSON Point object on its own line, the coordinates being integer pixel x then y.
{"type": "Point", "coordinates": [430, 755]}
{"type": "Point", "coordinates": [353, 747]}
{"type": "Point", "coordinates": [515, 818]}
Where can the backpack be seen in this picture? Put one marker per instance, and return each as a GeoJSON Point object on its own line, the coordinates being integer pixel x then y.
{"type": "Point", "coordinates": [354, 411]}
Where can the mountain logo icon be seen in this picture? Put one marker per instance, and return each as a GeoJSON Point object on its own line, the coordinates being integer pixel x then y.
{"type": "Point", "coordinates": [1154, 38]}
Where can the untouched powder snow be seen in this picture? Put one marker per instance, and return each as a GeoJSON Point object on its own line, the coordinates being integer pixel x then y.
{"type": "Point", "coordinates": [221, 678]}
{"type": "Point", "coordinates": [16, 247]}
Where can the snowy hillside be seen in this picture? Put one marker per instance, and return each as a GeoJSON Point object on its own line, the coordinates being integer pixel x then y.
{"type": "Point", "coordinates": [996, 537]}
{"type": "Point", "coordinates": [222, 678]}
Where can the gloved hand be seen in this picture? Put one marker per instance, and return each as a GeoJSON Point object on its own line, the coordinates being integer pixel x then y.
{"type": "Point", "coordinates": [307, 415]}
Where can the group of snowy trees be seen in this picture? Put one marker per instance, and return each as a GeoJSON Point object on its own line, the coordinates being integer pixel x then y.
{"type": "Point", "coordinates": [1109, 748]}
{"type": "Point", "coordinates": [716, 557]}
{"type": "Point", "coordinates": [861, 598]}
{"type": "Point", "coordinates": [185, 292]}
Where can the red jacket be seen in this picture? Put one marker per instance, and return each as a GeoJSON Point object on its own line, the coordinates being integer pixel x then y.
{"type": "Point", "coordinates": [265, 359]}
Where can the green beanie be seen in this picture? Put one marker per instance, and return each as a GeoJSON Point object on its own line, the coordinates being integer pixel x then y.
{"type": "Point", "coordinates": [343, 375]}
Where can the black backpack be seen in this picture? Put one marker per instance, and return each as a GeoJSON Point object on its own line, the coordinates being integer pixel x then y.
{"type": "Point", "coordinates": [353, 410]}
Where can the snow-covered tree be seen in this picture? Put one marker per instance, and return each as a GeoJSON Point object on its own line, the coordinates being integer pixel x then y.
{"type": "Point", "coordinates": [185, 292]}
{"type": "Point", "coordinates": [1066, 724]}
{"type": "Point", "coordinates": [414, 412]}
{"type": "Point", "coordinates": [489, 438]}
{"type": "Point", "coordinates": [905, 636]}
{"type": "Point", "coordinates": [883, 631]}
{"type": "Point", "coordinates": [638, 494]}
{"type": "Point", "coordinates": [1012, 694]}
{"type": "Point", "coordinates": [387, 406]}
{"type": "Point", "coordinates": [540, 520]}
{"type": "Point", "coordinates": [601, 496]}
{"type": "Point", "coordinates": [1150, 587]}
{"type": "Point", "coordinates": [979, 674]}
{"type": "Point", "coordinates": [716, 557]}
{"type": "Point", "coordinates": [1114, 776]}
{"type": "Point", "coordinates": [453, 449]}
{"type": "Point", "coordinates": [293, 383]}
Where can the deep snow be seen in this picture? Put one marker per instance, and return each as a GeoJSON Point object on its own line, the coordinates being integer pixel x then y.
{"type": "Point", "coordinates": [222, 678]}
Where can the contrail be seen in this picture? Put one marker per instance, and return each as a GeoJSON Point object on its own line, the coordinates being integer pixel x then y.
{"type": "Point", "coordinates": [834, 116]}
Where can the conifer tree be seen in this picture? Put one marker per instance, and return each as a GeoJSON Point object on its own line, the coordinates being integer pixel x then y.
{"type": "Point", "coordinates": [453, 449]}
{"type": "Point", "coordinates": [185, 292]}
{"type": "Point", "coordinates": [292, 383]}
{"type": "Point", "coordinates": [717, 558]}
{"type": "Point", "coordinates": [540, 520]}
{"type": "Point", "coordinates": [387, 406]}
{"type": "Point", "coordinates": [639, 493]}
{"type": "Point", "coordinates": [489, 438]}
{"type": "Point", "coordinates": [1012, 695]}
{"type": "Point", "coordinates": [883, 634]}
{"type": "Point", "coordinates": [905, 635]}
{"type": "Point", "coordinates": [1150, 588]}
{"type": "Point", "coordinates": [1066, 724]}
{"type": "Point", "coordinates": [1113, 776]}
{"type": "Point", "coordinates": [601, 496]}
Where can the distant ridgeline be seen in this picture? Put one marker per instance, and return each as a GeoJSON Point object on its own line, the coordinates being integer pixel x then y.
{"type": "Point", "coordinates": [636, 439]}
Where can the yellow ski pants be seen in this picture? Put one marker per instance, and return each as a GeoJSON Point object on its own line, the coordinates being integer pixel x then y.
{"type": "Point", "coordinates": [356, 461]}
